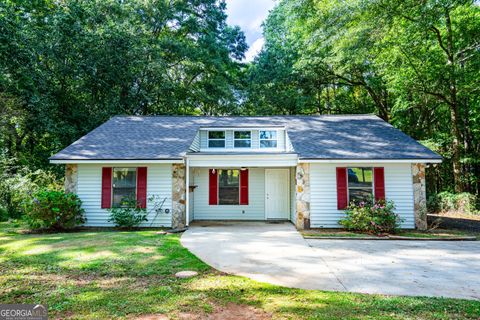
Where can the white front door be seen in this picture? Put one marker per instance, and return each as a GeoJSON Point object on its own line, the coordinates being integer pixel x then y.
{"type": "Point", "coordinates": [277, 193]}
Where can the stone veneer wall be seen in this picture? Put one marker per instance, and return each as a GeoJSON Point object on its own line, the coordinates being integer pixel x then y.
{"type": "Point", "coordinates": [302, 196]}
{"type": "Point", "coordinates": [178, 196]}
{"type": "Point", "coordinates": [419, 196]}
{"type": "Point", "coordinates": [71, 178]}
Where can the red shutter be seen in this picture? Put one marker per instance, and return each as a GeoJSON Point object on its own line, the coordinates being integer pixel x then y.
{"type": "Point", "coordinates": [342, 197]}
{"type": "Point", "coordinates": [244, 187]}
{"type": "Point", "coordinates": [106, 187]}
{"type": "Point", "coordinates": [142, 187]}
{"type": "Point", "coordinates": [379, 183]}
{"type": "Point", "coordinates": [213, 187]}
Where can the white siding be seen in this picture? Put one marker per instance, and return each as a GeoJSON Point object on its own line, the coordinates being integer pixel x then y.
{"type": "Point", "coordinates": [159, 183]}
{"type": "Point", "coordinates": [293, 205]}
{"type": "Point", "coordinates": [195, 146]}
{"type": "Point", "coordinates": [324, 213]}
{"type": "Point", "coordinates": [255, 210]}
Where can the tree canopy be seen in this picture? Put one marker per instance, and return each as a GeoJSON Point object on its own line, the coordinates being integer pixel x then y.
{"type": "Point", "coordinates": [67, 66]}
{"type": "Point", "coordinates": [414, 63]}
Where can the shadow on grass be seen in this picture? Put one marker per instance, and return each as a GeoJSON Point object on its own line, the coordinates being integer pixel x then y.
{"type": "Point", "coordinates": [122, 274]}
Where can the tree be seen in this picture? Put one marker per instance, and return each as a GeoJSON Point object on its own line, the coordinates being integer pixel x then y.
{"type": "Point", "coordinates": [66, 67]}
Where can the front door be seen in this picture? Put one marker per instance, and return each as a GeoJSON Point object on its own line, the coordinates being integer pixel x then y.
{"type": "Point", "coordinates": [277, 194]}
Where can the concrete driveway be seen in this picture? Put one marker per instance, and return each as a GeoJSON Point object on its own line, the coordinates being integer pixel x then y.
{"type": "Point", "coordinates": [278, 254]}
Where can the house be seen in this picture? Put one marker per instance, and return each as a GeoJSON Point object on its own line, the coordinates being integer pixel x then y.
{"type": "Point", "coordinates": [305, 169]}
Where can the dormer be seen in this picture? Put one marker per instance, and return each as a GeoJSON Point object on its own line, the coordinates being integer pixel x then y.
{"type": "Point", "coordinates": [242, 139]}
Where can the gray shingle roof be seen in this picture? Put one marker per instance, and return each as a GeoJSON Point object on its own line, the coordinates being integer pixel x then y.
{"type": "Point", "coordinates": [313, 137]}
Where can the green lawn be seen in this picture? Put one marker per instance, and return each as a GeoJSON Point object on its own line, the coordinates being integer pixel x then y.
{"type": "Point", "coordinates": [105, 275]}
{"type": "Point", "coordinates": [414, 234]}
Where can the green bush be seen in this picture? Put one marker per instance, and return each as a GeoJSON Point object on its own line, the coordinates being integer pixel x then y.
{"type": "Point", "coordinates": [17, 185]}
{"type": "Point", "coordinates": [56, 210]}
{"type": "Point", "coordinates": [453, 202]}
{"type": "Point", "coordinates": [129, 215]}
{"type": "Point", "coordinates": [372, 217]}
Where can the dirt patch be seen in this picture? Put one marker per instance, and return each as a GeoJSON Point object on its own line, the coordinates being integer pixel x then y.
{"type": "Point", "coordinates": [230, 311]}
{"type": "Point", "coordinates": [450, 222]}
{"type": "Point", "coordinates": [152, 317]}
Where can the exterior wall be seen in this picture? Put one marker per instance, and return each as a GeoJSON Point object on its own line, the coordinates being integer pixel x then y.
{"type": "Point", "coordinates": [71, 178]}
{"type": "Point", "coordinates": [420, 196]}
{"type": "Point", "coordinates": [191, 197]}
{"type": "Point", "coordinates": [179, 197]}
{"type": "Point", "coordinates": [281, 137]}
{"type": "Point", "coordinates": [159, 183]}
{"type": "Point", "coordinates": [195, 146]}
{"type": "Point", "coordinates": [398, 187]}
{"type": "Point", "coordinates": [293, 204]}
{"type": "Point", "coordinates": [302, 196]}
{"type": "Point", "coordinates": [255, 210]}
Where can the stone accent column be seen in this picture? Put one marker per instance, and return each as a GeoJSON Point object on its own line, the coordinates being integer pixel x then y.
{"type": "Point", "coordinates": [302, 196]}
{"type": "Point", "coordinates": [178, 196]}
{"type": "Point", "coordinates": [419, 196]}
{"type": "Point", "coordinates": [71, 178]}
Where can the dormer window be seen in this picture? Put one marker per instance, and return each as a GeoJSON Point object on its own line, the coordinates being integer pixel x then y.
{"type": "Point", "coordinates": [216, 139]}
{"type": "Point", "coordinates": [268, 139]}
{"type": "Point", "coordinates": [242, 139]}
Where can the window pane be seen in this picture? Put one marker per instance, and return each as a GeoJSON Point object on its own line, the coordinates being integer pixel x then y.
{"type": "Point", "coordinates": [359, 177]}
{"type": "Point", "coordinates": [228, 187]}
{"type": "Point", "coordinates": [124, 185]}
{"type": "Point", "coordinates": [242, 143]}
{"type": "Point", "coordinates": [268, 134]}
{"type": "Point", "coordinates": [242, 134]}
{"type": "Point", "coordinates": [216, 134]}
{"type": "Point", "coordinates": [357, 195]}
{"type": "Point", "coordinates": [216, 143]}
{"type": "Point", "coordinates": [268, 143]}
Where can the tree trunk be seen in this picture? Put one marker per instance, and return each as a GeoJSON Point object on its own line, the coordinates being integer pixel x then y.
{"type": "Point", "coordinates": [454, 114]}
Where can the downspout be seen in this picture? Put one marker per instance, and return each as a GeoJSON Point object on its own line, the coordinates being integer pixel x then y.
{"type": "Point", "coordinates": [187, 192]}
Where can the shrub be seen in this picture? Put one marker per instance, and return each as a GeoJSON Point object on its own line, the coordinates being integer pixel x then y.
{"type": "Point", "coordinates": [372, 217]}
{"type": "Point", "coordinates": [18, 184]}
{"type": "Point", "coordinates": [129, 215]}
{"type": "Point", "coordinates": [453, 202]}
{"type": "Point", "coordinates": [57, 210]}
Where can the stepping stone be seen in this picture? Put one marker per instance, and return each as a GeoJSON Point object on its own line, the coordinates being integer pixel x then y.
{"type": "Point", "coordinates": [186, 274]}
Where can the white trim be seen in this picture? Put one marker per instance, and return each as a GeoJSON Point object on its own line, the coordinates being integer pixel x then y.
{"type": "Point", "coordinates": [276, 140]}
{"type": "Point", "coordinates": [80, 161]}
{"type": "Point", "coordinates": [242, 128]}
{"type": "Point", "coordinates": [236, 161]}
{"type": "Point", "coordinates": [217, 139]}
{"type": "Point", "coordinates": [370, 161]}
{"type": "Point", "coordinates": [187, 193]}
{"type": "Point", "coordinates": [243, 139]}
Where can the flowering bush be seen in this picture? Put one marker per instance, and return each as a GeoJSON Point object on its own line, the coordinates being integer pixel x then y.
{"type": "Point", "coordinates": [372, 217]}
{"type": "Point", "coordinates": [54, 210]}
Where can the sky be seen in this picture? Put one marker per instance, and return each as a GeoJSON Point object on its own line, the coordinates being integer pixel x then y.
{"type": "Point", "coordinates": [249, 15]}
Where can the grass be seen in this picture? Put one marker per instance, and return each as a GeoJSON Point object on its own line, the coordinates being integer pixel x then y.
{"type": "Point", "coordinates": [107, 275]}
{"type": "Point", "coordinates": [414, 234]}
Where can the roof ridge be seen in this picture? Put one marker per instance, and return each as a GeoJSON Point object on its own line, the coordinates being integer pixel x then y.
{"type": "Point", "coordinates": [243, 116]}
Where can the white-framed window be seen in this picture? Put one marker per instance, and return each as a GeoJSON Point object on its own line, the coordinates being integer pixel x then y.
{"type": "Point", "coordinates": [216, 139]}
{"type": "Point", "coordinates": [360, 184]}
{"type": "Point", "coordinates": [268, 139]}
{"type": "Point", "coordinates": [124, 186]}
{"type": "Point", "coordinates": [242, 139]}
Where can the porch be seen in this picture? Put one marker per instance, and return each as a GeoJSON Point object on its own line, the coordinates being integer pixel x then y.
{"type": "Point", "coordinates": [268, 193]}
{"type": "Point", "coordinates": [261, 187]}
